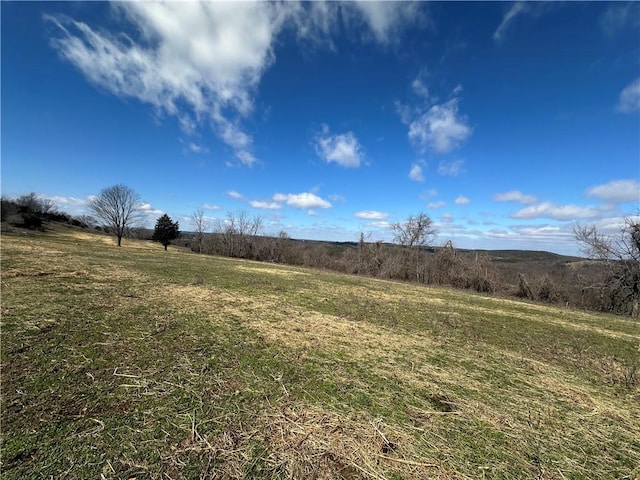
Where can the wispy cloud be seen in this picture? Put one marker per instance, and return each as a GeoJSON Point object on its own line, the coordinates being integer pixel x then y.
{"type": "Point", "coordinates": [416, 173]}
{"type": "Point", "coordinates": [558, 212]}
{"type": "Point", "coordinates": [515, 196]}
{"type": "Point", "coordinates": [382, 224]}
{"type": "Point", "coordinates": [430, 193]}
{"type": "Point", "coordinates": [387, 19]}
{"type": "Point", "coordinates": [265, 205]}
{"type": "Point", "coordinates": [343, 149]}
{"type": "Point", "coordinates": [65, 201]}
{"type": "Point", "coordinates": [208, 206]}
{"type": "Point", "coordinates": [620, 16]}
{"type": "Point", "coordinates": [629, 100]}
{"type": "Point", "coordinates": [462, 200]}
{"type": "Point", "coordinates": [519, 10]}
{"type": "Point", "coordinates": [617, 191]}
{"type": "Point", "coordinates": [436, 205]}
{"type": "Point", "coordinates": [419, 85]}
{"type": "Point", "coordinates": [371, 215]}
{"type": "Point", "coordinates": [446, 218]}
{"type": "Point", "coordinates": [452, 169]}
{"type": "Point", "coordinates": [195, 61]}
{"type": "Point", "coordinates": [234, 194]}
{"type": "Point", "coordinates": [304, 200]}
{"type": "Point", "coordinates": [510, 15]}
{"type": "Point", "coordinates": [534, 236]}
{"type": "Point", "coordinates": [195, 148]}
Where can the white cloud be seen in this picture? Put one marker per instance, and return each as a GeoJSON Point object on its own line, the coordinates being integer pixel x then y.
{"type": "Point", "coordinates": [195, 148]}
{"type": "Point", "coordinates": [516, 9]}
{"type": "Point", "coordinates": [462, 200]}
{"type": "Point", "coordinates": [441, 128]}
{"type": "Point", "coordinates": [416, 173]}
{"type": "Point", "coordinates": [342, 149]}
{"type": "Point", "coordinates": [234, 194]}
{"type": "Point", "coordinates": [380, 224]}
{"type": "Point", "coordinates": [247, 158]}
{"type": "Point", "coordinates": [557, 212]}
{"type": "Point", "coordinates": [386, 19]}
{"type": "Point", "coordinates": [436, 205]}
{"type": "Point", "coordinates": [620, 16]}
{"type": "Point", "coordinates": [630, 97]}
{"type": "Point", "coordinates": [265, 205]}
{"type": "Point", "coordinates": [452, 169]}
{"type": "Point", "coordinates": [68, 204]}
{"type": "Point", "coordinates": [313, 213]}
{"type": "Point", "coordinates": [208, 206]}
{"type": "Point", "coordinates": [371, 215]}
{"type": "Point", "coordinates": [304, 200]}
{"type": "Point", "coordinates": [613, 225]}
{"type": "Point", "coordinates": [148, 210]}
{"type": "Point", "coordinates": [405, 112]}
{"type": "Point", "coordinates": [548, 237]}
{"type": "Point", "coordinates": [419, 85]}
{"type": "Point", "coordinates": [199, 62]}
{"type": "Point", "coordinates": [66, 201]}
{"type": "Point", "coordinates": [617, 191]}
{"type": "Point", "coordinates": [315, 24]}
{"type": "Point", "coordinates": [515, 196]}
{"type": "Point", "coordinates": [446, 218]}
{"type": "Point", "coordinates": [426, 195]}
{"type": "Point", "coordinates": [337, 198]}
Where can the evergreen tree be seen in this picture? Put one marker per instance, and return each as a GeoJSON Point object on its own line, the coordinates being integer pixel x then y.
{"type": "Point", "coordinates": [165, 231]}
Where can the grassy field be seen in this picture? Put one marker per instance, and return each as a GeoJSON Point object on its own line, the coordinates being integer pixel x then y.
{"type": "Point", "coordinates": [133, 362]}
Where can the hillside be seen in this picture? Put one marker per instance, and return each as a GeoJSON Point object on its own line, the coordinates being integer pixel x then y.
{"type": "Point", "coordinates": [133, 362]}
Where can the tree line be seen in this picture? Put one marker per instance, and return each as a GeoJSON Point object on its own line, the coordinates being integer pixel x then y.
{"type": "Point", "coordinates": [611, 282]}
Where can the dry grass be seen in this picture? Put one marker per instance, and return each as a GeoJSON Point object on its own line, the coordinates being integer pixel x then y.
{"type": "Point", "coordinates": [134, 362]}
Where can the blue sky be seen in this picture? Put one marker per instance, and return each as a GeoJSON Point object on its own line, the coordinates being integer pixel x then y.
{"type": "Point", "coordinates": [507, 123]}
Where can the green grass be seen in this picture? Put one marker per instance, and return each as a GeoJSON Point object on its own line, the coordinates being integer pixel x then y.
{"type": "Point", "coordinates": [135, 362]}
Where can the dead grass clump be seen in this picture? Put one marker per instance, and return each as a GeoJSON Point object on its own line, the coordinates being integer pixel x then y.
{"type": "Point", "coordinates": [301, 441]}
{"type": "Point", "coordinates": [620, 374]}
{"type": "Point", "coordinates": [309, 442]}
{"type": "Point", "coordinates": [442, 403]}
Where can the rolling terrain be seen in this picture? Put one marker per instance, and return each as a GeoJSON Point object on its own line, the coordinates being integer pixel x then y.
{"type": "Point", "coordinates": [133, 362]}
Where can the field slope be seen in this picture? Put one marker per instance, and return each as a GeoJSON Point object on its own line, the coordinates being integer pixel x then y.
{"type": "Point", "coordinates": [133, 362]}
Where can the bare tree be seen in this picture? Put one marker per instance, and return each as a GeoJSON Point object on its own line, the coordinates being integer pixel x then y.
{"type": "Point", "coordinates": [118, 208]}
{"type": "Point", "coordinates": [280, 246]}
{"type": "Point", "coordinates": [370, 256]}
{"type": "Point", "coordinates": [416, 231]}
{"type": "Point", "coordinates": [620, 253]}
{"type": "Point", "coordinates": [238, 234]}
{"type": "Point", "coordinates": [414, 234]}
{"type": "Point", "coordinates": [201, 225]}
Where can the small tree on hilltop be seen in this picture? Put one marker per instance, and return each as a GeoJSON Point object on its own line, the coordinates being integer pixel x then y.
{"type": "Point", "coordinates": [166, 230]}
{"type": "Point", "coordinates": [414, 234]}
{"type": "Point", "coordinates": [118, 208]}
